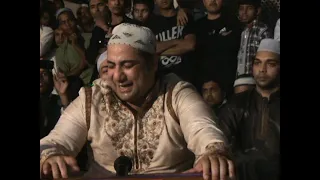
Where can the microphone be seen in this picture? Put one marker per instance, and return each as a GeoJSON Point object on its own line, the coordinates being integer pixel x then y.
{"type": "Point", "coordinates": [122, 165]}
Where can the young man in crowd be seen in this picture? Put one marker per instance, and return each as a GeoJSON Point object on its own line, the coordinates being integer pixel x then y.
{"type": "Point", "coordinates": [251, 119]}
{"type": "Point", "coordinates": [254, 31]}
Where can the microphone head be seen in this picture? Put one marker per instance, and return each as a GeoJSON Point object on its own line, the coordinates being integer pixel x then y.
{"type": "Point", "coordinates": [122, 165]}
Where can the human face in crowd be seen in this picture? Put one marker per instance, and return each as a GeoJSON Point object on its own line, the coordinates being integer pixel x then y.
{"type": "Point", "coordinates": [129, 73]}
{"type": "Point", "coordinates": [266, 70]}
{"type": "Point", "coordinates": [116, 6]}
{"type": "Point", "coordinates": [164, 4]}
{"type": "Point", "coordinates": [141, 12]}
{"type": "Point", "coordinates": [213, 6]}
{"type": "Point", "coordinates": [59, 4]}
{"type": "Point", "coordinates": [96, 6]}
{"type": "Point", "coordinates": [45, 19]}
{"type": "Point", "coordinates": [46, 81]}
{"type": "Point", "coordinates": [84, 15]}
{"type": "Point", "coordinates": [59, 36]}
{"type": "Point", "coordinates": [248, 13]}
{"type": "Point", "coordinates": [67, 23]}
{"type": "Point", "coordinates": [212, 93]}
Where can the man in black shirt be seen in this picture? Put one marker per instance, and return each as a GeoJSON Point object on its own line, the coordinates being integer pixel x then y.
{"type": "Point", "coordinates": [175, 43]}
{"type": "Point", "coordinates": [106, 20]}
{"type": "Point", "coordinates": [143, 11]}
{"type": "Point", "coordinates": [218, 40]}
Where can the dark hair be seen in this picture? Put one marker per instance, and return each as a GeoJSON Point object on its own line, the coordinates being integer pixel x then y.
{"type": "Point", "coordinates": [255, 3]}
{"type": "Point", "coordinates": [148, 3]}
{"type": "Point", "coordinates": [70, 13]}
{"type": "Point", "coordinates": [47, 9]}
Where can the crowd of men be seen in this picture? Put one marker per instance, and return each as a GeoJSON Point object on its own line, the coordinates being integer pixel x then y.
{"type": "Point", "coordinates": [176, 86]}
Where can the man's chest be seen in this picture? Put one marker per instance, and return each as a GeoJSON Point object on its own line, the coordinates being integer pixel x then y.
{"type": "Point", "coordinates": [215, 34]}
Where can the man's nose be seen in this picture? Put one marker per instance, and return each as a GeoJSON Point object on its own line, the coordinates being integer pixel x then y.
{"type": "Point", "coordinates": [119, 75]}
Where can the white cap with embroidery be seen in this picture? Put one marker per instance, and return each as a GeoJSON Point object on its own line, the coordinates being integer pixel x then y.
{"type": "Point", "coordinates": [138, 37]}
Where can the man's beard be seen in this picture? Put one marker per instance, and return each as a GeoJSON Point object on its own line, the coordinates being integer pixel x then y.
{"type": "Point", "coordinates": [274, 83]}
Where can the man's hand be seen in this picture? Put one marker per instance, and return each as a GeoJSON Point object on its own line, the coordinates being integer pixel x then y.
{"type": "Point", "coordinates": [182, 18]}
{"type": "Point", "coordinates": [216, 166]}
{"type": "Point", "coordinates": [73, 38]}
{"type": "Point", "coordinates": [58, 166]}
{"type": "Point", "coordinates": [60, 83]}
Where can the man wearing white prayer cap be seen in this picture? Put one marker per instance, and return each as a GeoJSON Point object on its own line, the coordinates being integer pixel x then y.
{"type": "Point", "coordinates": [243, 83]}
{"type": "Point", "coordinates": [251, 119]}
{"type": "Point", "coordinates": [159, 122]}
{"type": "Point", "coordinates": [102, 65]}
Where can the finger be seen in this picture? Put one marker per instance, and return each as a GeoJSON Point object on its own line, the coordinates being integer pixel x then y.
{"type": "Point", "coordinates": [231, 169]}
{"type": "Point", "coordinates": [223, 166]}
{"type": "Point", "coordinates": [179, 22]}
{"type": "Point", "coordinates": [63, 168]}
{"type": "Point", "coordinates": [185, 18]}
{"type": "Point", "coordinates": [55, 78]}
{"type": "Point", "coordinates": [215, 172]}
{"type": "Point", "coordinates": [72, 162]}
{"type": "Point", "coordinates": [206, 168]}
{"type": "Point", "coordinates": [184, 22]}
{"type": "Point", "coordinates": [193, 170]}
{"type": "Point", "coordinates": [55, 170]}
{"type": "Point", "coordinates": [46, 168]}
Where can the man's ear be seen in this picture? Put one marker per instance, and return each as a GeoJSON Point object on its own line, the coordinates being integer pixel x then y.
{"type": "Point", "coordinates": [258, 11]}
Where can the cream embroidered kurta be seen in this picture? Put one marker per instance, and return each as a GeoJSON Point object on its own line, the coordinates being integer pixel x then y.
{"type": "Point", "coordinates": [154, 140]}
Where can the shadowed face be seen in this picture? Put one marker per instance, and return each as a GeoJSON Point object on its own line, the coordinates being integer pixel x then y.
{"type": "Point", "coordinates": [212, 93]}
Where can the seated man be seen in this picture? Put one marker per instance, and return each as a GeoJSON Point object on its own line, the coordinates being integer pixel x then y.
{"type": "Point", "coordinates": [160, 122]}
{"type": "Point", "coordinates": [50, 104]}
{"type": "Point", "coordinates": [243, 83]}
{"type": "Point", "coordinates": [213, 94]}
{"type": "Point", "coordinates": [251, 119]}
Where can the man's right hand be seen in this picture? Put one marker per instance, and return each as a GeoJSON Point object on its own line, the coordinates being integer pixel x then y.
{"type": "Point", "coordinates": [58, 166]}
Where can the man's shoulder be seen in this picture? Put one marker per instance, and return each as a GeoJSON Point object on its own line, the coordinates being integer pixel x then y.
{"type": "Point", "coordinates": [131, 21]}
{"type": "Point", "coordinates": [178, 86]}
{"type": "Point", "coordinates": [240, 100]}
{"type": "Point", "coordinates": [46, 30]}
{"type": "Point", "coordinates": [97, 30]}
{"type": "Point", "coordinates": [261, 25]}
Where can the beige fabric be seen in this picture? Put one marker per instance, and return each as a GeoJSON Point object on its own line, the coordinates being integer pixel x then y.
{"type": "Point", "coordinates": [162, 144]}
{"type": "Point", "coordinates": [46, 39]}
{"type": "Point", "coordinates": [138, 37]}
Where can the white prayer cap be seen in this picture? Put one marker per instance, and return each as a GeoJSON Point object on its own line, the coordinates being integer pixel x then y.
{"type": "Point", "coordinates": [138, 37]}
{"type": "Point", "coordinates": [102, 58]}
{"type": "Point", "coordinates": [270, 45]}
{"type": "Point", "coordinates": [244, 80]}
{"type": "Point", "coordinates": [84, 5]}
{"type": "Point", "coordinates": [62, 10]}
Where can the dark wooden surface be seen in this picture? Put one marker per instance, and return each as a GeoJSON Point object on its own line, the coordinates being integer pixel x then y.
{"type": "Point", "coordinates": [147, 177]}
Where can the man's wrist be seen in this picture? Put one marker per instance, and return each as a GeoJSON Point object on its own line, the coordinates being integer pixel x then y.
{"type": "Point", "coordinates": [219, 149]}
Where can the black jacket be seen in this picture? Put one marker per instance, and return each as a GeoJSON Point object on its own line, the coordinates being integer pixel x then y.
{"type": "Point", "coordinates": [243, 120]}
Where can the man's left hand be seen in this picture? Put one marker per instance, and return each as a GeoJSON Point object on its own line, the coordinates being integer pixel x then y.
{"type": "Point", "coordinates": [217, 167]}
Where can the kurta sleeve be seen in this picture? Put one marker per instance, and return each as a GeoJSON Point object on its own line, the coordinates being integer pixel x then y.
{"type": "Point", "coordinates": [197, 120]}
{"type": "Point", "coordinates": [46, 38]}
{"type": "Point", "coordinates": [70, 133]}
